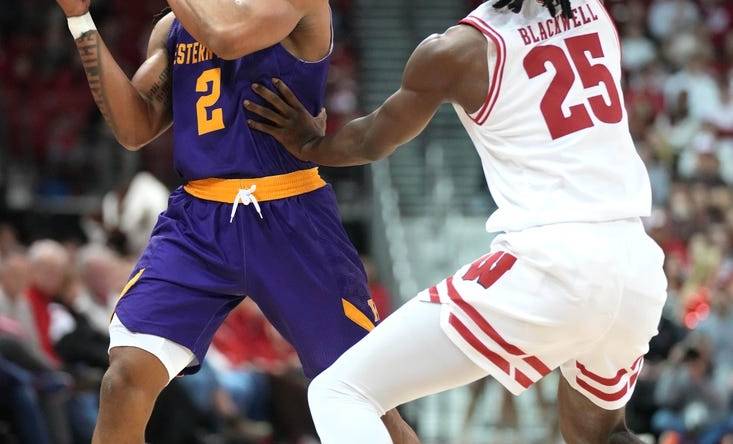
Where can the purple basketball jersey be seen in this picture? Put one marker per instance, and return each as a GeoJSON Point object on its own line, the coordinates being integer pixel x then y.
{"type": "Point", "coordinates": [211, 136]}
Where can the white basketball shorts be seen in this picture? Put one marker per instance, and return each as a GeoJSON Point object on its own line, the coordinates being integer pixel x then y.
{"type": "Point", "coordinates": [585, 297]}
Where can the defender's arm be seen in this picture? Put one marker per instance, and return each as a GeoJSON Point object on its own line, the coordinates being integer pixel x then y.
{"type": "Point", "coordinates": [235, 28]}
{"type": "Point", "coordinates": [137, 110]}
{"type": "Point", "coordinates": [451, 67]}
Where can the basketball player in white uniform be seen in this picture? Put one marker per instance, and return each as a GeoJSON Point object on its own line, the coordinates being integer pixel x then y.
{"type": "Point", "coordinates": [572, 281]}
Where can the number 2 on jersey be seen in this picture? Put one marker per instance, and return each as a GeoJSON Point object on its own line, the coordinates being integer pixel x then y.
{"type": "Point", "coordinates": [209, 120]}
{"type": "Point", "coordinates": [591, 75]}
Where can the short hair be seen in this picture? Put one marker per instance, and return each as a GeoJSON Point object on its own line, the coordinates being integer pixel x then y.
{"type": "Point", "coordinates": [516, 5]}
{"type": "Point", "coordinates": [92, 252]}
{"type": "Point", "coordinates": [45, 249]}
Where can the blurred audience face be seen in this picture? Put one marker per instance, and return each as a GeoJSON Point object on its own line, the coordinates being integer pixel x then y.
{"type": "Point", "coordinates": [98, 271]}
{"type": "Point", "coordinates": [49, 267]}
{"type": "Point", "coordinates": [14, 274]}
{"type": "Point", "coordinates": [8, 240]}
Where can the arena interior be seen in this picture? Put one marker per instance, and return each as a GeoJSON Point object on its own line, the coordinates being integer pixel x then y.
{"type": "Point", "coordinates": [76, 209]}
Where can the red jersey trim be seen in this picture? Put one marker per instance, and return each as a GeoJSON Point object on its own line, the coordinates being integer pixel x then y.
{"type": "Point", "coordinates": [482, 114]}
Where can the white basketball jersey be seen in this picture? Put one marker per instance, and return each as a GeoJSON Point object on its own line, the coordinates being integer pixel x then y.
{"type": "Point", "coordinates": [553, 133]}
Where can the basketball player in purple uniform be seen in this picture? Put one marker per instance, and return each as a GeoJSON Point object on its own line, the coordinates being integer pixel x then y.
{"type": "Point", "coordinates": [251, 220]}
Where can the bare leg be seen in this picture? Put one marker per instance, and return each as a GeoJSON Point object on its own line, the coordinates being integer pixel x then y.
{"type": "Point", "coordinates": [399, 430]}
{"type": "Point", "coordinates": [130, 387]}
{"type": "Point", "coordinates": [582, 422]}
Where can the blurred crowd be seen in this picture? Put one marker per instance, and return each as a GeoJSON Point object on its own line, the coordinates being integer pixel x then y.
{"type": "Point", "coordinates": [56, 301]}
{"type": "Point", "coordinates": [57, 297]}
{"type": "Point", "coordinates": [678, 67]}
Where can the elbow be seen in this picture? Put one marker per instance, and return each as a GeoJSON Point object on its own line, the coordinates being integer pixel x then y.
{"type": "Point", "coordinates": [132, 143]}
{"type": "Point", "coordinates": [375, 154]}
{"type": "Point", "coordinates": [225, 43]}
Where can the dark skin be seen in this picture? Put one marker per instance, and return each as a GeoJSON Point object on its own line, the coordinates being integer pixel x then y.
{"type": "Point", "coordinates": [138, 110]}
{"type": "Point", "coordinates": [462, 79]}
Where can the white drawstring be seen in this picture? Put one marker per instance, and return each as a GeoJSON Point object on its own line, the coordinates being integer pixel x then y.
{"type": "Point", "coordinates": [246, 196]}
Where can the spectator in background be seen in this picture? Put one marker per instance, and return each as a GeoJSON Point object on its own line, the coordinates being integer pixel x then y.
{"type": "Point", "coordinates": [672, 16]}
{"type": "Point", "coordinates": [82, 350]}
{"type": "Point", "coordinates": [14, 275]}
{"type": "Point", "coordinates": [97, 267]}
{"type": "Point", "coordinates": [35, 394]}
{"type": "Point", "coordinates": [262, 374]}
{"type": "Point", "coordinates": [720, 122]}
{"type": "Point", "coordinates": [718, 328]}
{"type": "Point", "coordinates": [133, 209]}
{"type": "Point", "coordinates": [638, 50]}
{"type": "Point", "coordinates": [696, 80]}
{"type": "Point", "coordinates": [692, 405]}
{"type": "Point", "coordinates": [700, 163]}
{"type": "Point", "coordinates": [380, 294]}
{"type": "Point", "coordinates": [49, 273]}
{"type": "Point", "coordinates": [676, 128]}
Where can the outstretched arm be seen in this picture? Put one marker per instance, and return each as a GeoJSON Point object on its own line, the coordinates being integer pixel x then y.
{"type": "Point", "coordinates": [461, 78]}
{"type": "Point", "coordinates": [137, 110]}
{"type": "Point", "coordinates": [234, 28]}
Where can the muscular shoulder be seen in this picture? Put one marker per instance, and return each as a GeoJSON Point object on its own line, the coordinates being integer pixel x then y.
{"type": "Point", "coordinates": [159, 36]}
{"type": "Point", "coordinates": [454, 62]}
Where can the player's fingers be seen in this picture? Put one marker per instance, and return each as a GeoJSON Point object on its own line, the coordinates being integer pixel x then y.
{"type": "Point", "coordinates": [265, 113]}
{"type": "Point", "coordinates": [288, 94]}
{"type": "Point", "coordinates": [273, 99]}
{"type": "Point", "coordinates": [265, 128]}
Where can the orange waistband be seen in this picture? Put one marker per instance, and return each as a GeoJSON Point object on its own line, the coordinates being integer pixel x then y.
{"type": "Point", "coordinates": [268, 188]}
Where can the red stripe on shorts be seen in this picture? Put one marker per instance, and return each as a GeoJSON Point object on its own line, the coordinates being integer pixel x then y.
{"type": "Point", "coordinates": [609, 397]}
{"type": "Point", "coordinates": [474, 342]}
{"type": "Point", "coordinates": [611, 382]}
{"type": "Point", "coordinates": [434, 297]}
{"type": "Point", "coordinates": [484, 325]}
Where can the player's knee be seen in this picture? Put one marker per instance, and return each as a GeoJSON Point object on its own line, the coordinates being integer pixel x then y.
{"type": "Point", "coordinates": [327, 393]}
{"type": "Point", "coordinates": [117, 380]}
{"type": "Point", "coordinates": [321, 393]}
{"type": "Point", "coordinates": [128, 377]}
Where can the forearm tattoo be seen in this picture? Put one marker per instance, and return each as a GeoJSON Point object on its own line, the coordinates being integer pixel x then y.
{"type": "Point", "coordinates": [89, 50]}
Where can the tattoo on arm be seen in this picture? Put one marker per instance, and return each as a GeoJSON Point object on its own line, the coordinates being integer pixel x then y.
{"type": "Point", "coordinates": [160, 92]}
{"type": "Point", "coordinates": [89, 48]}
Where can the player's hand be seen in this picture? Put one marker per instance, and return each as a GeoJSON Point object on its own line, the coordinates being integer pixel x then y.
{"type": "Point", "coordinates": [74, 8]}
{"type": "Point", "coordinates": [288, 121]}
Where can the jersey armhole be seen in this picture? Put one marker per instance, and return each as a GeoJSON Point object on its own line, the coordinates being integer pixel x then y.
{"type": "Point", "coordinates": [492, 95]}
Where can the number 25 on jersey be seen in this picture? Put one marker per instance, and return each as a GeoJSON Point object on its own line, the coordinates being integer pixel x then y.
{"type": "Point", "coordinates": [209, 120]}
{"type": "Point", "coordinates": [591, 75]}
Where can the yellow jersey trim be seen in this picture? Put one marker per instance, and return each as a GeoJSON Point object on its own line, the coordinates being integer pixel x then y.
{"type": "Point", "coordinates": [127, 287]}
{"type": "Point", "coordinates": [131, 282]}
{"type": "Point", "coordinates": [356, 316]}
{"type": "Point", "coordinates": [267, 188]}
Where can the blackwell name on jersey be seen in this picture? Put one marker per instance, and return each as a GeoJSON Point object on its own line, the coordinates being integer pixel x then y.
{"type": "Point", "coordinates": [544, 30]}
